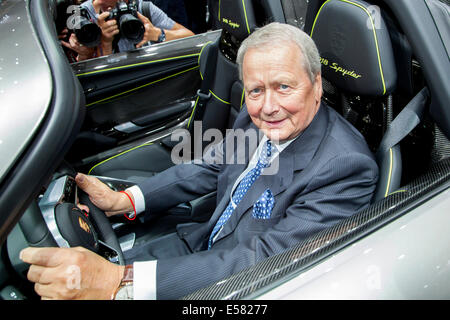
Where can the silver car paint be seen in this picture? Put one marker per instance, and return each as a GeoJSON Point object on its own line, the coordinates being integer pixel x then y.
{"type": "Point", "coordinates": [25, 82]}
{"type": "Point", "coordinates": [407, 259]}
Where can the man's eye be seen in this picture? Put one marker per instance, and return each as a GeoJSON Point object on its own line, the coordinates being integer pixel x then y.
{"type": "Point", "coordinates": [255, 91]}
{"type": "Point", "coordinates": [284, 86]}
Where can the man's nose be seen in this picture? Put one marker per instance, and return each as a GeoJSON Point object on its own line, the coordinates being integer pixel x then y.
{"type": "Point", "coordinates": [270, 103]}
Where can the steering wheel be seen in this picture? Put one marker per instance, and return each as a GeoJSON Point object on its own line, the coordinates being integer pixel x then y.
{"type": "Point", "coordinates": [103, 225]}
{"type": "Point", "coordinates": [59, 222]}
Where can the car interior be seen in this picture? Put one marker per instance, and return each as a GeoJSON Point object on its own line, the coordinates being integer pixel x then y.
{"type": "Point", "coordinates": [373, 75]}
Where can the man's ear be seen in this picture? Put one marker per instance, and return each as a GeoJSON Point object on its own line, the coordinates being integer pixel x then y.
{"type": "Point", "coordinates": [318, 88]}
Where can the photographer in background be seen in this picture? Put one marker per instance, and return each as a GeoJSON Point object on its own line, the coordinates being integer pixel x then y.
{"type": "Point", "coordinates": [158, 28]}
{"type": "Point", "coordinates": [74, 50]}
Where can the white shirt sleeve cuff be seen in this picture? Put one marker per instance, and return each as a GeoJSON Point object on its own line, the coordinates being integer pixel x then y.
{"type": "Point", "coordinates": [144, 280]}
{"type": "Point", "coordinates": [139, 201]}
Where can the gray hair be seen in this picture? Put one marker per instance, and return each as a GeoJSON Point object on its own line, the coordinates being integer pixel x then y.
{"type": "Point", "coordinates": [278, 33]}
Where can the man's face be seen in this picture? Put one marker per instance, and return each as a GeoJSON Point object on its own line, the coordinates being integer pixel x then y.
{"type": "Point", "coordinates": [280, 98]}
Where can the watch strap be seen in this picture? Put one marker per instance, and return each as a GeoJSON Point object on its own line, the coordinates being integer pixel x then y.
{"type": "Point", "coordinates": [162, 36]}
{"type": "Point", "coordinates": [127, 279]}
{"type": "Point", "coordinates": [127, 274]}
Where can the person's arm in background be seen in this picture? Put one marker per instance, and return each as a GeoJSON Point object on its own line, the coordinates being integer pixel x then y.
{"type": "Point", "coordinates": [109, 30]}
{"type": "Point", "coordinates": [152, 32]}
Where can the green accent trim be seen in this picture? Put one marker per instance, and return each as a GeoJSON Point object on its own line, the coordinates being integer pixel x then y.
{"type": "Point", "coordinates": [219, 12]}
{"type": "Point", "coordinates": [199, 57]}
{"type": "Point", "coordinates": [192, 113]}
{"type": "Point", "coordinates": [223, 101]}
{"type": "Point", "coordinates": [391, 158]}
{"type": "Point", "coordinates": [195, 106]}
{"type": "Point", "coordinates": [126, 151]}
{"type": "Point", "coordinates": [140, 87]}
{"type": "Point", "coordinates": [242, 98]}
{"type": "Point", "coordinates": [397, 191]}
{"type": "Point", "coordinates": [317, 15]}
{"type": "Point", "coordinates": [373, 30]}
{"type": "Point", "coordinates": [245, 13]}
{"type": "Point", "coordinates": [138, 64]}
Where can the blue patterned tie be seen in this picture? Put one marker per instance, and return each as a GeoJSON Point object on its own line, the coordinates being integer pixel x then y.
{"type": "Point", "coordinates": [244, 185]}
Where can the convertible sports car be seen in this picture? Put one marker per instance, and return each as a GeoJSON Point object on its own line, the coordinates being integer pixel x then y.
{"type": "Point", "coordinates": [385, 65]}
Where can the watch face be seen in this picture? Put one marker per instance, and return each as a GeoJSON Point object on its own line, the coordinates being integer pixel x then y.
{"type": "Point", "coordinates": [125, 293]}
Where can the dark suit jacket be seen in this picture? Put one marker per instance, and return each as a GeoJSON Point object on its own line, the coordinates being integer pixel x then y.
{"type": "Point", "coordinates": [325, 175]}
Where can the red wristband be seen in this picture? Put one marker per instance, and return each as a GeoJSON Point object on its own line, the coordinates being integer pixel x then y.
{"type": "Point", "coordinates": [135, 214]}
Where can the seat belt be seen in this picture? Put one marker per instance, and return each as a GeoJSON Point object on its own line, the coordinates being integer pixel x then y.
{"type": "Point", "coordinates": [203, 94]}
{"type": "Point", "coordinates": [405, 122]}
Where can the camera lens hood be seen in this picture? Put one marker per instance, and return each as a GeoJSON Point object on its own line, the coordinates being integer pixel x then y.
{"type": "Point", "coordinates": [131, 28]}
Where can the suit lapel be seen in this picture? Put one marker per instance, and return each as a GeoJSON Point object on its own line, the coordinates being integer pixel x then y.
{"type": "Point", "coordinates": [231, 174]}
{"type": "Point", "coordinates": [294, 158]}
{"type": "Point", "coordinates": [277, 183]}
{"type": "Point", "coordinates": [311, 139]}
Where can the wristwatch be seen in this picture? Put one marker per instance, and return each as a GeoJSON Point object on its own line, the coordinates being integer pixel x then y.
{"type": "Point", "coordinates": [162, 36]}
{"type": "Point", "coordinates": [125, 289]}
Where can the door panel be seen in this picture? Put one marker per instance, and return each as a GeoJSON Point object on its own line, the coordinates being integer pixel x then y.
{"type": "Point", "coordinates": [122, 86]}
{"type": "Point", "coordinates": [138, 93]}
{"type": "Point", "coordinates": [143, 96]}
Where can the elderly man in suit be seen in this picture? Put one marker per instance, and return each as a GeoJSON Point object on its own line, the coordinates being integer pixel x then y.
{"type": "Point", "coordinates": [325, 173]}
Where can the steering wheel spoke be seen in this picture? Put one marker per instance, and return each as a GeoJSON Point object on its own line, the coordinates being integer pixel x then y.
{"type": "Point", "coordinates": [70, 226]}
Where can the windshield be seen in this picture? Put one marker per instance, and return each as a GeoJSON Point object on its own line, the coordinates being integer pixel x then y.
{"type": "Point", "coordinates": [25, 82]}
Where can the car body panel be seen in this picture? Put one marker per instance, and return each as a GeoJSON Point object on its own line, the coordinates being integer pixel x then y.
{"type": "Point", "coordinates": [24, 84]}
{"type": "Point", "coordinates": [407, 259]}
{"type": "Point", "coordinates": [54, 129]}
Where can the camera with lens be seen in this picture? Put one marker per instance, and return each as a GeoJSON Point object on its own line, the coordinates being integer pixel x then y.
{"type": "Point", "coordinates": [87, 32]}
{"type": "Point", "coordinates": [127, 20]}
{"type": "Point", "coordinates": [68, 14]}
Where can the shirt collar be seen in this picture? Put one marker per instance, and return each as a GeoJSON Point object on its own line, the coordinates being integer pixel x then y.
{"type": "Point", "coordinates": [279, 147]}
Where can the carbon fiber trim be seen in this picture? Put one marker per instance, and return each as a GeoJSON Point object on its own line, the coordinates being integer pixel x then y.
{"type": "Point", "coordinates": [441, 146]}
{"type": "Point", "coordinates": [251, 282]}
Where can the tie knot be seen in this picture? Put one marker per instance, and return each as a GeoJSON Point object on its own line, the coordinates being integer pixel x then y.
{"type": "Point", "coordinates": [266, 153]}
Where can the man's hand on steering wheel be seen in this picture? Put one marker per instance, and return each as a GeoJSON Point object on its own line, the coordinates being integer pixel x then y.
{"type": "Point", "coordinates": [111, 202]}
{"type": "Point", "coordinates": [71, 273]}
{"type": "Point", "coordinates": [78, 273]}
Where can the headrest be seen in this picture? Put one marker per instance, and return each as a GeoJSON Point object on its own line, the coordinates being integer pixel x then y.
{"type": "Point", "coordinates": [355, 47]}
{"type": "Point", "coordinates": [237, 17]}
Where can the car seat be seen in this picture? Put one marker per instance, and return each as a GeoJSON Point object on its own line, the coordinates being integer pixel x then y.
{"type": "Point", "coordinates": [359, 69]}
